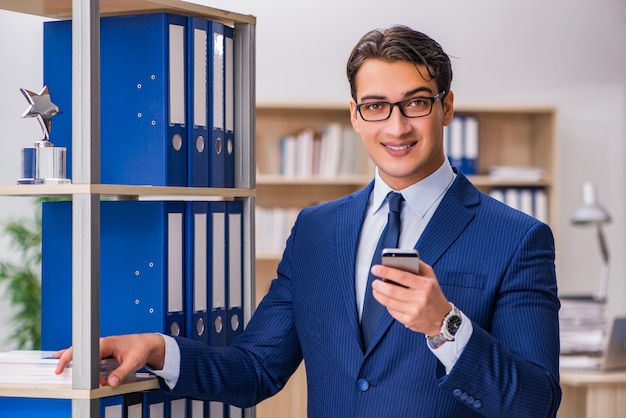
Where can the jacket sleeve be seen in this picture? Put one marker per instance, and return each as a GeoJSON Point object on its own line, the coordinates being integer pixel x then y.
{"type": "Point", "coordinates": [510, 363]}
{"type": "Point", "coordinates": [258, 363]}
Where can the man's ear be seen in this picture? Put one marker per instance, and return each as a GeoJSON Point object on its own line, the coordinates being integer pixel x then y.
{"type": "Point", "coordinates": [448, 108]}
{"type": "Point", "coordinates": [354, 116]}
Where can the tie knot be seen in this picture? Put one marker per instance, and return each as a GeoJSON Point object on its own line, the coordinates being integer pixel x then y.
{"type": "Point", "coordinates": [395, 201]}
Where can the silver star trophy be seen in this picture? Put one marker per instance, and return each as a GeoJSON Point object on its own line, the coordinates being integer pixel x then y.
{"type": "Point", "coordinates": [44, 163]}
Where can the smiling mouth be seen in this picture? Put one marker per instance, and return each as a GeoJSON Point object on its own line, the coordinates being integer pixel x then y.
{"type": "Point", "coordinates": [400, 147]}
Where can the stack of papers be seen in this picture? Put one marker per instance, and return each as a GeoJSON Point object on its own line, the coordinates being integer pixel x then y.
{"type": "Point", "coordinates": [583, 325]}
{"type": "Point", "coordinates": [516, 172]}
{"type": "Point", "coordinates": [36, 367]}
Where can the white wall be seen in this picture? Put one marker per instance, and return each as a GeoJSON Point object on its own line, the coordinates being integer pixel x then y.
{"type": "Point", "coordinates": [566, 53]}
{"type": "Point", "coordinates": [21, 67]}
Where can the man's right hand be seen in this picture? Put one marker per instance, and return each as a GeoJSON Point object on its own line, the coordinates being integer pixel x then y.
{"type": "Point", "coordinates": [132, 352]}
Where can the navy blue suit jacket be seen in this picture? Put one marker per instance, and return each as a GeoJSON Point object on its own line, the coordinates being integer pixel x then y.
{"type": "Point", "coordinates": [494, 263]}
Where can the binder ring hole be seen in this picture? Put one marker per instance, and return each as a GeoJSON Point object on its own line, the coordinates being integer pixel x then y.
{"type": "Point", "coordinates": [234, 322]}
{"type": "Point", "coordinates": [177, 142]}
{"type": "Point", "coordinates": [175, 329]}
{"type": "Point", "coordinates": [200, 327]}
{"type": "Point", "coordinates": [218, 145]}
{"type": "Point", "coordinates": [219, 324]}
{"type": "Point", "coordinates": [229, 146]}
{"type": "Point", "coordinates": [200, 143]}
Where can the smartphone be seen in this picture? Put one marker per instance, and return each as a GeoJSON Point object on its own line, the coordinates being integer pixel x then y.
{"type": "Point", "coordinates": [403, 259]}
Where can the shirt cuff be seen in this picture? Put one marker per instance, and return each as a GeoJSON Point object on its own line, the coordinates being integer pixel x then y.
{"type": "Point", "coordinates": [171, 367]}
{"type": "Point", "coordinates": [449, 353]}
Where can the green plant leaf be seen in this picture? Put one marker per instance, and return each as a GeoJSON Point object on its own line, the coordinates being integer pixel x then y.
{"type": "Point", "coordinates": [23, 279]}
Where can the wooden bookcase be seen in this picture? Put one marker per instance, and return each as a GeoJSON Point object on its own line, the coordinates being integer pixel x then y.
{"type": "Point", "coordinates": [508, 135]}
{"type": "Point", "coordinates": [86, 191]}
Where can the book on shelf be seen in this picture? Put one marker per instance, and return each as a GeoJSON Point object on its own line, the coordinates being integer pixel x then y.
{"type": "Point", "coordinates": [273, 227]}
{"type": "Point", "coordinates": [531, 200]}
{"type": "Point", "coordinates": [330, 150]}
{"type": "Point", "coordinates": [461, 143]}
{"type": "Point", "coordinates": [334, 150]}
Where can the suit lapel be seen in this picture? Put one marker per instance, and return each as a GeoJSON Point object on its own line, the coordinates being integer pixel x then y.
{"type": "Point", "coordinates": [448, 222]}
{"type": "Point", "coordinates": [349, 222]}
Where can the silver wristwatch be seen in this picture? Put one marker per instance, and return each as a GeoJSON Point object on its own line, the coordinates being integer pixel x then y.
{"type": "Point", "coordinates": [451, 324]}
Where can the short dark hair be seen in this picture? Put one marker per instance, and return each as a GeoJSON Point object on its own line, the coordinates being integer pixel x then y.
{"type": "Point", "coordinates": [401, 43]}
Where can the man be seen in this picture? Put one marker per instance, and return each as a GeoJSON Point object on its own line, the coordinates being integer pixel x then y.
{"type": "Point", "coordinates": [485, 296]}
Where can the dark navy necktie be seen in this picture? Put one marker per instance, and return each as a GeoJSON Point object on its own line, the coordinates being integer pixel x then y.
{"type": "Point", "coordinates": [372, 310]}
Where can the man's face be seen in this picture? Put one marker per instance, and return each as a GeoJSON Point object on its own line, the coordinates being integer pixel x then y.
{"type": "Point", "coordinates": [405, 150]}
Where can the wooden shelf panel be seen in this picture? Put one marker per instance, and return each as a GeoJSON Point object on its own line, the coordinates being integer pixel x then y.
{"type": "Point", "coordinates": [271, 180]}
{"type": "Point", "coordinates": [299, 195]}
{"type": "Point", "coordinates": [458, 107]}
{"type": "Point", "coordinates": [268, 257]}
{"type": "Point", "coordinates": [279, 180]}
{"type": "Point", "coordinates": [162, 192]}
{"type": "Point", "coordinates": [579, 378]}
{"type": "Point", "coordinates": [488, 181]}
{"type": "Point", "coordinates": [62, 9]}
{"type": "Point", "coordinates": [65, 391]}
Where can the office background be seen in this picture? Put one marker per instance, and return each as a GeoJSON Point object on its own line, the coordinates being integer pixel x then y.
{"type": "Point", "coordinates": [563, 53]}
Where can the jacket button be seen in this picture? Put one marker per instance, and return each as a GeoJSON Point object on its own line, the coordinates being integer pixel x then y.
{"type": "Point", "coordinates": [457, 392]}
{"type": "Point", "coordinates": [363, 385]}
{"type": "Point", "coordinates": [477, 404]}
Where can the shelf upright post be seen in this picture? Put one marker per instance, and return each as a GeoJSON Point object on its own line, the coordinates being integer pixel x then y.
{"type": "Point", "coordinates": [245, 102]}
{"type": "Point", "coordinates": [245, 154]}
{"type": "Point", "coordinates": [85, 206]}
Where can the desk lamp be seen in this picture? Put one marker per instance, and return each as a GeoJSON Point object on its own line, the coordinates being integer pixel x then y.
{"type": "Point", "coordinates": [592, 213]}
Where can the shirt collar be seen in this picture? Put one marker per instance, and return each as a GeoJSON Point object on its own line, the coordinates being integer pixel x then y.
{"type": "Point", "coordinates": [419, 196]}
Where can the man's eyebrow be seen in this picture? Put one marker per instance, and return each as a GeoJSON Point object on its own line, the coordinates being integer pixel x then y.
{"type": "Point", "coordinates": [371, 97]}
{"type": "Point", "coordinates": [422, 89]}
{"type": "Point", "coordinates": [376, 97]}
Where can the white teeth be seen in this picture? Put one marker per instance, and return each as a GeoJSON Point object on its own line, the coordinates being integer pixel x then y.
{"type": "Point", "coordinates": [400, 148]}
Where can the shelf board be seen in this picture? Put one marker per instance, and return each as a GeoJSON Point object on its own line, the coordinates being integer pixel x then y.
{"type": "Point", "coordinates": [164, 192]}
{"type": "Point", "coordinates": [489, 181]}
{"type": "Point", "coordinates": [580, 378]}
{"type": "Point", "coordinates": [271, 257]}
{"type": "Point", "coordinates": [62, 9]}
{"type": "Point", "coordinates": [477, 180]}
{"type": "Point", "coordinates": [458, 107]}
{"type": "Point", "coordinates": [287, 106]}
{"type": "Point", "coordinates": [279, 180]}
{"type": "Point", "coordinates": [65, 391]}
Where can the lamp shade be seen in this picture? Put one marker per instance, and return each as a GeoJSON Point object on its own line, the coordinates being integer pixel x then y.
{"type": "Point", "coordinates": [590, 211]}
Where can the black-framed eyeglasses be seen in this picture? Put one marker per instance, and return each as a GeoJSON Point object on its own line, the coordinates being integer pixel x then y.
{"type": "Point", "coordinates": [413, 107]}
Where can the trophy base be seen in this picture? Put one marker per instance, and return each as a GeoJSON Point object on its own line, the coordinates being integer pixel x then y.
{"type": "Point", "coordinates": [43, 165]}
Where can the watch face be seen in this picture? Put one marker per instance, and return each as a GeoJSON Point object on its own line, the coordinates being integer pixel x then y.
{"type": "Point", "coordinates": [453, 324]}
